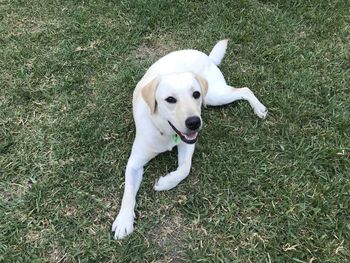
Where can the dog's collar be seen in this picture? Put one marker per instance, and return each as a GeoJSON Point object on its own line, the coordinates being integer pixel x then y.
{"type": "Point", "coordinates": [176, 139]}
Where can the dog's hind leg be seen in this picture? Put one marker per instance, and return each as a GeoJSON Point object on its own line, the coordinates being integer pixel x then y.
{"type": "Point", "coordinates": [224, 94]}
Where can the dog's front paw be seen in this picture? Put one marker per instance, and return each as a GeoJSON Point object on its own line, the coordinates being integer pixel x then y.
{"type": "Point", "coordinates": [261, 111]}
{"type": "Point", "coordinates": [165, 183]}
{"type": "Point", "coordinates": [123, 225]}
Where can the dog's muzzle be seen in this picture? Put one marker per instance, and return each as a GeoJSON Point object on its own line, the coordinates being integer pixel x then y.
{"type": "Point", "coordinates": [189, 137]}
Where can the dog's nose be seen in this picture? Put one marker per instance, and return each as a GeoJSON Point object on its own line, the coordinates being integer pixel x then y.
{"type": "Point", "coordinates": [193, 123]}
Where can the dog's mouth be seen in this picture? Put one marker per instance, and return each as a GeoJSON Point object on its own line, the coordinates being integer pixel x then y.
{"type": "Point", "coordinates": [189, 137]}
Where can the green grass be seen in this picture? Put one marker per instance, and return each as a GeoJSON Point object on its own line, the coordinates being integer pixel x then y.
{"type": "Point", "coordinates": [276, 190]}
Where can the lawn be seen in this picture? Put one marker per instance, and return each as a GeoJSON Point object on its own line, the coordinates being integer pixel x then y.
{"type": "Point", "coordinates": [274, 190]}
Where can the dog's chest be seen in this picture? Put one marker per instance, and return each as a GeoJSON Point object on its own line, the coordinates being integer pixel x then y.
{"type": "Point", "coordinates": [163, 143]}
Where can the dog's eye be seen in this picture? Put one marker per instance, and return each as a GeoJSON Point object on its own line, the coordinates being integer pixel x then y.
{"type": "Point", "coordinates": [170, 100]}
{"type": "Point", "coordinates": [196, 94]}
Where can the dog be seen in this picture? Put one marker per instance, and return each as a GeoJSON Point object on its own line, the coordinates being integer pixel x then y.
{"type": "Point", "coordinates": [167, 112]}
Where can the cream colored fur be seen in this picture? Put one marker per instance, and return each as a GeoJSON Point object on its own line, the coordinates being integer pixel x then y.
{"type": "Point", "coordinates": [180, 75]}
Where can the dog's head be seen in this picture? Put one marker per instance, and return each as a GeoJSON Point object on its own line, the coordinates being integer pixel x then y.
{"type": "Point", "coordinates": [177, 99]}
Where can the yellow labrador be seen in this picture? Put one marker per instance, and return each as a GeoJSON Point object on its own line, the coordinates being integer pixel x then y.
{"type": "Point", "coordinates": [167, 112]}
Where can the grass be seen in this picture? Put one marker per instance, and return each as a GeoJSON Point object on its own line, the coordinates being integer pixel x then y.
{"type": "Point", "coordinates": [259, 191]}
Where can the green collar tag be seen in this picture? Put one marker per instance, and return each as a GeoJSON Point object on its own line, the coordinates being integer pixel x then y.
{"type": "Point", "coordinates": [176, 139]}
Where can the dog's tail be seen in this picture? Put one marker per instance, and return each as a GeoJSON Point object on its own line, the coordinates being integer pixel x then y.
{"type": "Point", "coordinates": [218, 51]}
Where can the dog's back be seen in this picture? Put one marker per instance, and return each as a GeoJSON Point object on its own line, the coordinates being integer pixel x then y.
{"type": "Point", "coordinates": [188, 60]}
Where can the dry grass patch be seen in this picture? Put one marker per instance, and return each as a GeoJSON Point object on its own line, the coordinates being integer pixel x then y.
{"type": "Point", "coordinates": [170, 237]}
{"type": "Point", "coordinates": [153, 48]}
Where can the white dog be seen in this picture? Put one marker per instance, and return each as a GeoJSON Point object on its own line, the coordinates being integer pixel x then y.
{"type": "Point", "coordinates": [167, 112]}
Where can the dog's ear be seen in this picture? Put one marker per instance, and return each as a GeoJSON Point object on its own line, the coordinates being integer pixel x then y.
{"type": "Point", "coordinates": [204, 86]}
{"type": "Point", "coordinates": [149, 94]}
